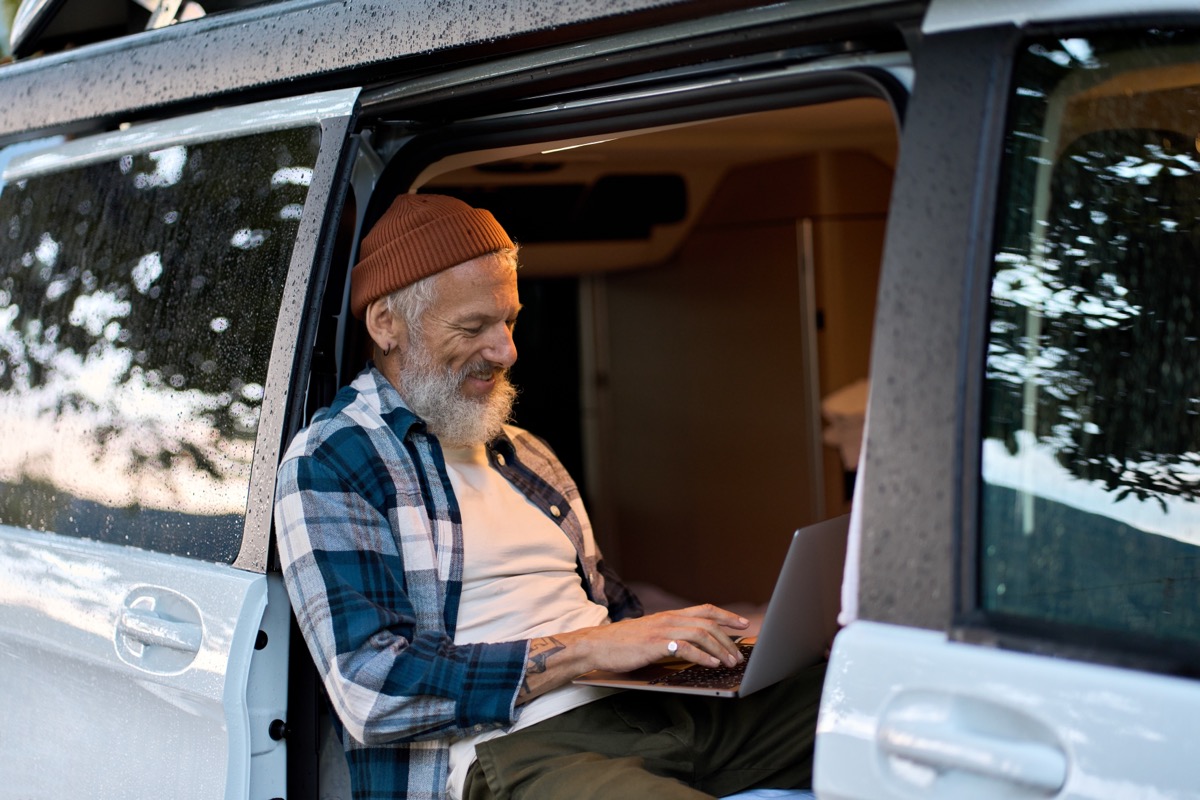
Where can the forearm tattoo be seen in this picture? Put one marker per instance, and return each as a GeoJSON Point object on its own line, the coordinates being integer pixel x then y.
{"type": "Point", "coordinates": [540, 651]}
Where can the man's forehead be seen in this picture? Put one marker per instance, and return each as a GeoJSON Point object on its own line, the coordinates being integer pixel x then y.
{"type": "Point", "coordinates": [493, 269]}
{"type": "Point", "coordinates": [483, 288]}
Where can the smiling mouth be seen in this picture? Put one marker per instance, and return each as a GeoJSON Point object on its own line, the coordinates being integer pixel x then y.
{"type": "Point", "coordinates": [484, 374]}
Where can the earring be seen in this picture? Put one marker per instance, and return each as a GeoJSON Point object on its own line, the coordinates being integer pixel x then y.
{"type": "Point", "coordinates": [387, 350]}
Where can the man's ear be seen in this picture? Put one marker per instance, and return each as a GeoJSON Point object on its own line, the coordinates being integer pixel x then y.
{"type": "Point", "coordinates": [388, 331]}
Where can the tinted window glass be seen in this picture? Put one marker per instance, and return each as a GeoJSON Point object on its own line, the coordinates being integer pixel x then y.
{"type": "Point", "coordinates": [1091, 455]}
{"type": "Point", "coordinates": [138, 300]}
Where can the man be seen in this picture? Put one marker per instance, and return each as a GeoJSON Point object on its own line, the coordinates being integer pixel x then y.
{"type": "Point", "coordinates": [444, 574]}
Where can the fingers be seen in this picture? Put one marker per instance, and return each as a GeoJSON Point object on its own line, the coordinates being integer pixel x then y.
{"type": "Point", "coordinates": [698, 630]}
{"type": "Point", "coordinates": [707, 650]}
{"type": "Point", "coordinates": [719, 615]}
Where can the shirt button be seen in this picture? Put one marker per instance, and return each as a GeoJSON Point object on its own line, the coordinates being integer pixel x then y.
{"type": "Point", "coordinates": [554, 510]}
{"type": "Point", "coordinates": [500, 459]}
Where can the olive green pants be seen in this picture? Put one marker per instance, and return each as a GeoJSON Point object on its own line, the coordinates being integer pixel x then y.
{"type": "Point", "coordinates": [661, 746]}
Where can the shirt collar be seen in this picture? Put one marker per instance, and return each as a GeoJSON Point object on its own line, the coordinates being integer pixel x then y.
{"type": "Point", "coordinates": [503, 445]}
{"type": "Point", "coordinates": [392, 408]}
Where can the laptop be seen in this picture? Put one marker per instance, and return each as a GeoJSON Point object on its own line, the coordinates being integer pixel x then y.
{"type": "Point", "coordinates": [799, 624]}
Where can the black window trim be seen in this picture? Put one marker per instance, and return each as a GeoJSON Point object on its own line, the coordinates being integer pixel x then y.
{"type": "Point", "coordinates": [911, 482]}
{"type": "Point", "coordinates": [296, 329]}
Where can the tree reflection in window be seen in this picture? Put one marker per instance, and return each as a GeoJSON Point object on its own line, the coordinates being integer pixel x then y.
{"type": "Point", "coordinates": [1091, 451]}
{"type": "Point", "coordinates": [1103, 318]}
{"type": "Point", "coordinates": [138, 301]}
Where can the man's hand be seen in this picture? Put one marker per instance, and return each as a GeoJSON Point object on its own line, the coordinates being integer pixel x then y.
{"type": "Point", "coordinates": [622, 646]}
{"type": "Point", "coordinates": [635, 643]}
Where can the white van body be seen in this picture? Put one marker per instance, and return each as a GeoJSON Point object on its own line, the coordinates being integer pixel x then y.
{"type": "Point", "coordinates": [733, 217]}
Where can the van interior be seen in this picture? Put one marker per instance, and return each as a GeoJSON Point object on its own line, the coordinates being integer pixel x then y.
{"type": "Point", "coordinates": [692, 293]}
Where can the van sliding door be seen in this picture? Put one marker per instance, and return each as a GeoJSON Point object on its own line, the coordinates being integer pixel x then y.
{"type": "Point", "coordinates": [152, 284]}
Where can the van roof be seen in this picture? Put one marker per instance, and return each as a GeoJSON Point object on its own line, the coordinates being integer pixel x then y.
{"type": "Point", "coordinates": [277, 49]}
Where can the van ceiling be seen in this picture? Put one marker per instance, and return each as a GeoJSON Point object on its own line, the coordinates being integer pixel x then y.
{"type": "Point", "coordinates": [700, 154]}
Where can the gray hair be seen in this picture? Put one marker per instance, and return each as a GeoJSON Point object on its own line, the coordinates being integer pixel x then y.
{"type": "Point", "coordinates": [411, 302]}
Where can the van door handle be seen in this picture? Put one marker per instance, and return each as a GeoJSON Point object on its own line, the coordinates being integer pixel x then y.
{"type": "Point", "coordinates": [943, 745]}
{"type": "Point", "coordinates": [150, 629]}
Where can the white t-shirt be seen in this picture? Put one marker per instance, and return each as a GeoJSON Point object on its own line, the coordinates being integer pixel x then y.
{"type": "Point", "coordinates": [519, 582]}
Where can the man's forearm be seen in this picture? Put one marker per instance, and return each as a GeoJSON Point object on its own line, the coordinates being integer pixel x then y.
{"type": "Point", "coordinates": [547, 667]}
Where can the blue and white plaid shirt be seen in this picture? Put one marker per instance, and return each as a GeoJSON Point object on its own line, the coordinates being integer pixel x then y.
{"type": "Point", "coordinates": [370, 538]}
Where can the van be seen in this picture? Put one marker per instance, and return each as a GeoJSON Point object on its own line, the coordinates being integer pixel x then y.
{"type": "Point", "coordinates": [932, 262]}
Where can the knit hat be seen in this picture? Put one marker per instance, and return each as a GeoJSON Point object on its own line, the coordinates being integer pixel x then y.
{"type": "Point", "coordinates": [418, 236]}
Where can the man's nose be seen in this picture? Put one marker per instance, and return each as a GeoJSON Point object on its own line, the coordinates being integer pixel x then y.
{"type": "Point", "coordinates": [501, 349]}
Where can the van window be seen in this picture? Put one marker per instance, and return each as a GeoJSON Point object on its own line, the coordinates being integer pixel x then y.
{"type": "Point", "coordinates": [1091, 433]}
{"type": "Point", "coordinates": [138, 303]}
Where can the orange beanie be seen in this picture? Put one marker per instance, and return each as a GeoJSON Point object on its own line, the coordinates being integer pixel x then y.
{"type": "Point", "coordinates": [418, 236]}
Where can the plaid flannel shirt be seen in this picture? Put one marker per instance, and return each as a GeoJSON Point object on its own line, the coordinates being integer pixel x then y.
{"type": "Point", "coordinates": [370, 538]}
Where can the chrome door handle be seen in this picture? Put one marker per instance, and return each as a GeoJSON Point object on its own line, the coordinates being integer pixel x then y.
{"type": "Point", "coordinates": [942, 745]}
{"type": "Point", "coordinates": [158, 630]}
{"type": "Point", "coordinates": [150, 629]}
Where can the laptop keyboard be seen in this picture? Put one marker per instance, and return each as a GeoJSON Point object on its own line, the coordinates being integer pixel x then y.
{"type": "Point", "coordinates": [699, 677]}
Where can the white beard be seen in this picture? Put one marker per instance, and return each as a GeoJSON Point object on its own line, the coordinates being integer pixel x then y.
{"type": "Point", "coordinates": [434, 393]}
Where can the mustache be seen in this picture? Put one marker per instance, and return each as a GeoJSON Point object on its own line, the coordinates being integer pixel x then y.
{"type": "Point", "coordinates": [482, 370]}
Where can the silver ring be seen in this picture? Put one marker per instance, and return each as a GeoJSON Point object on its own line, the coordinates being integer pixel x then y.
{"type": "Point", "coordinates": [672, 647]}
